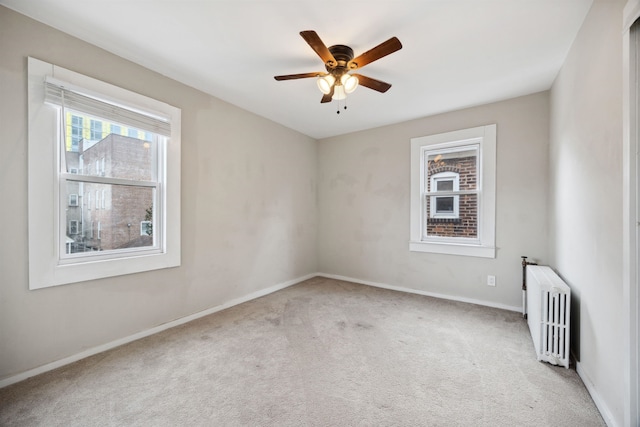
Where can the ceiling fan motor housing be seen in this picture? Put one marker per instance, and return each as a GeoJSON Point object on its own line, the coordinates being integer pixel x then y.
{"type": "Point", "coordinates": [342, 54]}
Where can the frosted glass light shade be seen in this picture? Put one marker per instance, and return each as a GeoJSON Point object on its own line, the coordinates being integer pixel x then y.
{"type": "Point", "coordinates": [325, 83]}
{"type": "Point", "coordinates": [349, 82]}
{"type": "Point", "coordinates": [338, 93]}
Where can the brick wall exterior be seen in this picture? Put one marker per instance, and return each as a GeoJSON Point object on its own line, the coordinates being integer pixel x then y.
{"type": "Point", "coordinates": [466, 225]}
{"type": "Point", "coordinates": [124, 206]}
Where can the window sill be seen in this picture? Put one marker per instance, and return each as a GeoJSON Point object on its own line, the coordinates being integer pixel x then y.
{"type": "Point", "coordinates": [453, 249]}
{"type": "Point", "coordinates": [444, 220]}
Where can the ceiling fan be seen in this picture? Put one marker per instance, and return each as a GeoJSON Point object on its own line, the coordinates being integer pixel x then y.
{"type": "Point", "coordinates": [339, 62]}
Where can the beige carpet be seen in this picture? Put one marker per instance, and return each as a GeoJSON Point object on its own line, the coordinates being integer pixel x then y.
{"type": "Point", "coordinates": [321, 353]}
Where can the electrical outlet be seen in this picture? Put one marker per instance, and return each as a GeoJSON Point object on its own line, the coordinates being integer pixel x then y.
{"type": "Point", "coordinates": [491, 280]}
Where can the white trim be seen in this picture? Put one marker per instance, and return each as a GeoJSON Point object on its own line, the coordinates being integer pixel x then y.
{"type": "Point", "coordinates": [454, 249]}
{"type": "Point", "coordinates": [595, 396]}
{"type": "Point", "coordinates": [142, 334]}
{"type": "Point", "coordinates": [425, 293]}
{"type": "Point", "coordinates": [630, 273]}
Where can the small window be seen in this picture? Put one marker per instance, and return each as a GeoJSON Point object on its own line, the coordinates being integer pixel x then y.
{"type": "Point", "coordinates": [89, 200]}
{"type": "Point", "coordinates": [97, 199]}
{"type": "Point", "coordinates": [73, 200]}
{"type": "Point", "coordinates": [116, 129]}
{"type": "Point", "coordinates": [96, 131]}
{"type": "Point", "coordinates": [453, 192]}
{"type": "Point", "coordinates": [445, 200]}
{"type": "Point", "coordinates": [76, 132]}
{"type": "Point", "coordinates": [73, 170]}
{"type": "Point", "coordinates": [146, 229]}
{"type": "Point", "coordinates": [73, 227]}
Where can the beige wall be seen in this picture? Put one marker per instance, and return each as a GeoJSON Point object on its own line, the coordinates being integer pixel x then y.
{"type": "Point", "coordinates": [248, 210]}
{"type": "Point", "coordinates": [250, 205]}
{"type": "Point", "coordinates": [363, 190]}
{"type": "Point", "coordinates": [586, 199]}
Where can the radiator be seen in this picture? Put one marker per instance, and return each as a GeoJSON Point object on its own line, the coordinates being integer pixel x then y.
{"type": "Point", "coordinates": [548, 314]}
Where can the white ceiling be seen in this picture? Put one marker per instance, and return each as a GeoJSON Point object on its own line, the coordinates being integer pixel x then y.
{"type": "Point", "coordinates": [456, 53]}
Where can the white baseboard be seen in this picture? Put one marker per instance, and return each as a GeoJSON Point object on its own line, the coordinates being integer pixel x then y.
{"type": "Point", "coordinates": [113, 344]}
{"type": "Point", "coordinates": [600, 404]}
{"type": "Point", "coordinates": [425, 293]}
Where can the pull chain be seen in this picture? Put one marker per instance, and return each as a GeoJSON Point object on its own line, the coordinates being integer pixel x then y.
{"type": "Point", "coordinates": [345, 106]}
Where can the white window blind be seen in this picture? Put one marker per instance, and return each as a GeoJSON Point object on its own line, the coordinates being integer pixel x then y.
{"type": "Point", "coordinates": [62, 94]}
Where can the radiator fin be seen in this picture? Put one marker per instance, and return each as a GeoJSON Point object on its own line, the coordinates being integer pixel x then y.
{"type": "Point", "coordinates": [548, 314]}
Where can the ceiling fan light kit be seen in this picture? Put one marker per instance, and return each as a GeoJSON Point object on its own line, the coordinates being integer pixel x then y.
{"type": "Point", "coordinates": [349, 82]}
{"type": "Point", "coordinates": [339, 60]}
{"type": "Point", "coordinates": [325, 83]}
{"type": "Point", "coordinates": [338, 93]}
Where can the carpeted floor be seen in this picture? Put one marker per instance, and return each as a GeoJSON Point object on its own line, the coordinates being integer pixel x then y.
{"type": "Point", "coordinates": [321, 353]}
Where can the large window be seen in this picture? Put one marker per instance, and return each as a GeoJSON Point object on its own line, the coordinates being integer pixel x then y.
{"type": "Point", "coordinates": [133, 178]}
{"type": "Point", "coordinates": [453, 192]}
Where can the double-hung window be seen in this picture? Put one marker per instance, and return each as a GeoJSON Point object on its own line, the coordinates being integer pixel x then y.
{"type": "Point", "coordinates": [453, 192]}
{"type": "Point", "coordinates": [135, 179]}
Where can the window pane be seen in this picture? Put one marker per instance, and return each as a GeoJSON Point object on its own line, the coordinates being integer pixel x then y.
{"type": "Point", "coordinates": [116, 225]}
{"type": "Point", "coordinates": [109, 154]}
{"type": "Point", "coordinates": [444, 185]}
{"type": "Point", "coordinates": [444, 204]}
{"type": "Point", "coordinates": [75, 132]}
{"type": "Point", "coordinates": [95, 133]}
{"type": "Point", "coordinates": [464, 225]}
{"type": "Point", "coordinates": [462, 161]}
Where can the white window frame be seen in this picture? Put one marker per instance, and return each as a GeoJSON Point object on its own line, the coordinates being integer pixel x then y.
{"type": "Point", "coordinates": [73, 200]}
{"type": "Point", "coordinates": [433, 194]}
{"type": "Point", "coordinates": [47, 266]}
{"type": "Point", "coordinates": [484, 245]}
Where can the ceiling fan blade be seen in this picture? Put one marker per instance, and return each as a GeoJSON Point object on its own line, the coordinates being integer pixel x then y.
{"type": "Point", "coordinates": [298, 76]}
{"type": "Point", "coordinates": [377, 85]}
{"type": "Point", "coordinates": [327, 97]}
{"type": "Point", "coordinates": [380, 51]}
{"type": "Point", "coordinates": [319, 47]}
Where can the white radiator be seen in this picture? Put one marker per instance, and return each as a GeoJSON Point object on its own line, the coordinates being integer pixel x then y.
{"type": "Point", "coordinates": [548, 314]}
